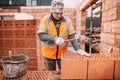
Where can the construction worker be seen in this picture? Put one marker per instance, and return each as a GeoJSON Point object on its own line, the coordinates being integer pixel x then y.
{"type": "Point", "coordinates": [53, 31]}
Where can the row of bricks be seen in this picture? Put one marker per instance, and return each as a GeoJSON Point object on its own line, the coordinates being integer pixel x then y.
{"type": "Point", "coordinates": [111, 39]}
{"type": "Point", "coordinates": [18, 44]}
{"type": "Point", "coordinates": [112, 14]}
{"type": "Point", "coordinates": [107, 48]}
{"type": "Point", "coordinates": [18, 24]}
{"type": "Point", "coordinates": [30, 75]}
{"type": "Point", "coordinates": [111, 26]}
{"type": "Point", "coordinates": [18, 33]}
{"type": "Point", "coordinates": [108, 4]}
{"type": "Point", "coordinates": [28, 51]}
{"type": "Point", "coordinates": [96, 67]}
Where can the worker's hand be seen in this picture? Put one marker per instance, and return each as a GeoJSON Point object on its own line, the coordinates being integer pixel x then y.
{"type": "Point", "coordinates": [81, 52]}
{"type": "Point", "coordinates": [59, 41]}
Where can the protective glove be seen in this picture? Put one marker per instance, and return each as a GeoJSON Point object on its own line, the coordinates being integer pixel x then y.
{"type": "Point", "coordinates": [81, 52]}
{"type": "Point", "coordinates": [59, 40]}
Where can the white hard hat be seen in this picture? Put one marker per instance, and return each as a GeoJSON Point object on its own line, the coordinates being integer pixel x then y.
{"type": "Point", "coordinates": [57, 6]}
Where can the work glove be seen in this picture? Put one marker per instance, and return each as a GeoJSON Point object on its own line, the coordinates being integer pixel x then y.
{"type": "Point", "coordinates": [59, 41]}
{"type": "Point", "coordinates": [81, 52]}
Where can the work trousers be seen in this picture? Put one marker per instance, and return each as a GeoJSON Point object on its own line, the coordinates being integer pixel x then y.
{"type": "Point", "coordinates": [52, 64]}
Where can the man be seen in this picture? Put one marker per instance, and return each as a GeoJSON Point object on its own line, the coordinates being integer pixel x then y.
{"type": "Point", "coordinates": [53, 31]}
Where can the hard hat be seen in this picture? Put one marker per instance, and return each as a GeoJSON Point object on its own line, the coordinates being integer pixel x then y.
{"type": "Point", "coordinates": [57, 6]}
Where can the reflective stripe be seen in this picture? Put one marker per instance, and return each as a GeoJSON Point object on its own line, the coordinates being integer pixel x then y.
{"type": "Point", "coordinates": [71, 29]}
{"type": "Point", "coordinates": [51, 46]}
{"type": "Point", "coordinates": [48, 23]}
{"type": "Point", "coordinates": [43, 29]}
{"type": "Point", "coordinates": [67, 29]}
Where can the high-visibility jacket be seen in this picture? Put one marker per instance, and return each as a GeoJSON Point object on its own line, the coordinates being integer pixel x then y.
{"type": "Point", "coordinates": [47, 26]}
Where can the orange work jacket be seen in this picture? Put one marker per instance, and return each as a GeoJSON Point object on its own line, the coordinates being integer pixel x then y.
{"type": "Point", "coordinates": [47, 26]}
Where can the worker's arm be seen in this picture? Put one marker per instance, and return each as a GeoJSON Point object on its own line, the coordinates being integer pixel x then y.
{"type": "Point", "coordinates": [75, 43]}
{"type": "Point", "coordinates": [46, 38]}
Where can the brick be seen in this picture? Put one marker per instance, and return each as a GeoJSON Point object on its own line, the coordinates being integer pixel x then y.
{"type": "Point", "coordinates": [1, 43]}
{"type": "Point", "coordinates": [31, 52]}
{"type": "Point", "coordinates": [100, 67]}
{"type": "Point", "coordinates": [117, 40]}
{"type": "Point", "coordinates": [19, 34]}
{"type": "Point", "coordinates": [8, 24]}
{"type": "Point", "coordinates": [117, 70]}
{"type": "Point", "coordinates": [105, 16]}
{"type": "Point", "coordinates": [116, 26]}
{"type": "Point", "coordinates": [78, 68]}
{"type": "Point", "coordinates": [19, 43]}
{"type": "Point", "coordinates": [1, 25]}
{"type": "Point", "coordinates": [9, 43]}
{"type": "Point", "coordinates": [109, 4]}
{"type": "Point", "coordinates": [104, 48]}
{"type": "Point", "coordinates": [107, 27]}
{"type": "Point", "coordinates": [30, 33]}
{"type": "Point", "coordinates": [116, 3]}
{"type": "Point", "coordinates": [32, 63]}
{"type": "Point", "coordinates": [8, 34]}
{"type": "Point", "coordinates": [1, 50]}
{"type": "Point", "coordinates": [20, 51]}
{"type": "Point", "coordinates": [32, 68]}
{"type": "Point", "coordinates": [20, 24]}
{"type": "Point", "coordinates": [31, 43]}
{"type": "Point", "coordinates": [108, 38]}
{"type": "Point", "coordinates": [1, 34]}
{"type": "Point", "coordinates": [31, 24]}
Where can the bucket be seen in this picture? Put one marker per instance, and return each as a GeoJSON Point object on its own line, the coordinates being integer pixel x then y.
{"type": "Point", "coordinates": [14, 66]}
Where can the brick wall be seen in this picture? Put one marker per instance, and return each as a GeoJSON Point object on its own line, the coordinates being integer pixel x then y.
{"type": "Point", "coordinates": [110, 29]}
{"type": "Point", "coordinates": [19, 36]}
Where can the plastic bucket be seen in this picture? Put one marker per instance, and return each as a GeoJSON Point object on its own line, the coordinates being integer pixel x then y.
{"type": "Point", "coordinates": [14, 66]}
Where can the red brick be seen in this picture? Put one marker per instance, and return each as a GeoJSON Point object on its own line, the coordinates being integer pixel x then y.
{"type": "Point", "coordinates": [105, 16]}
{"type": "Point", "coordinates": [73, 67]}
{"type": "Point", "coordinates": [30, 24]}
{"type": "Point", "coordinates": [107, 26]}
{"type": "Point", "coordinates": [31, 52]}
{"type": "Point", "coordinates": [31, 34]}
{"type": "Point", "coordinates": [109, 4]}
{"type": "Point", "coordinates": [19, 43]}
{"type": "Point", "coordinates": [20, 50]}
{"type": "Point", "coordinates": [1, 25]}
{"type": "Point", "coordinates": [8, 24]}
{"type": "Point", "coordinates": [20, 24]}
{"type": "Point", "coordinates": [8, 34]}
{"type": "Point", "coordinates": [116, 26]}
{"type": "Point", "coordinates": [1, 43]}
{"type": "Point", "coordinates": [117, 70]}
{"type": "Point", "coordinates": [108, 38]}
{"type": "Point", "coordinates": [1, 34]}
{"type": "Point", "coordinates": [8, 43]}
{"type": "Point", "coordinates": [116, 3]}
{"type": "Point", "coordinates": [104, 48]}
{"type": "Point", "coordinates": [32, 63]}
{"type": "Point", "coordinates": [31, 43]}
{"type": "Point", "coordinates": [19, 34]}
{"type": "Point", "coordinates": [100, 67]}
{"type": "Point", "coordinates": [32, 68]}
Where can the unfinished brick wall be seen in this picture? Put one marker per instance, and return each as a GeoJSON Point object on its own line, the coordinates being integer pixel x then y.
{"type": "Point", "coordinates": [110, 29]}
{"type": "Point", "coordinates": [20, 36]}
